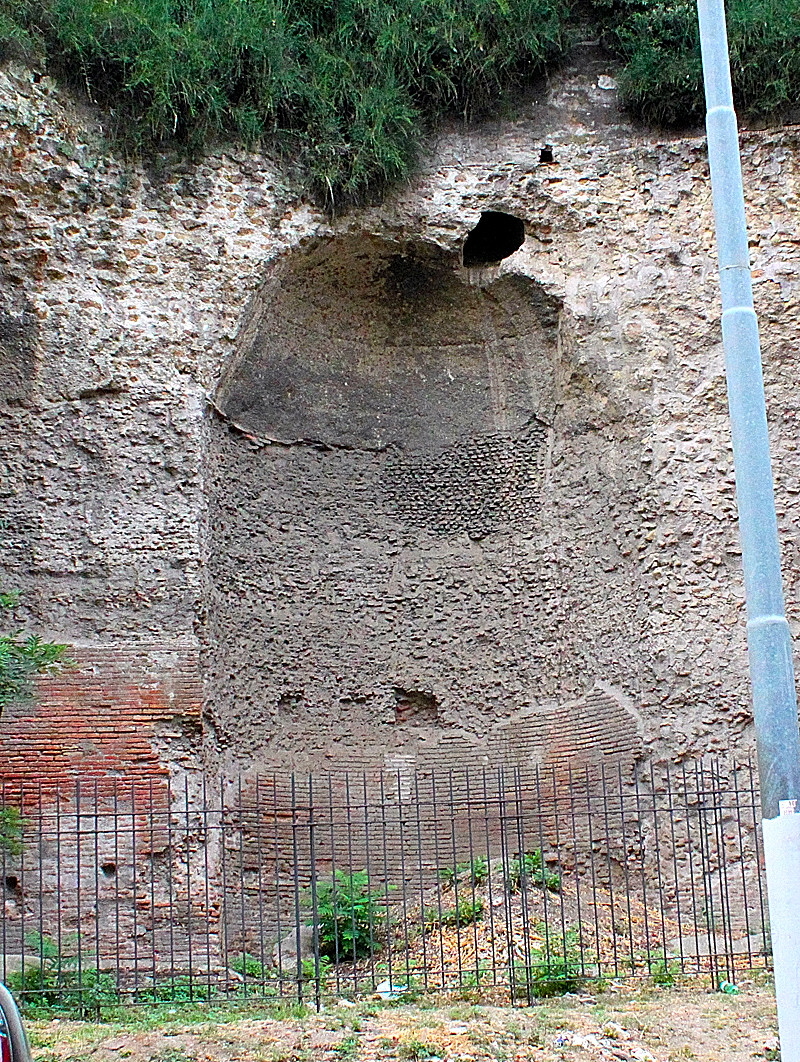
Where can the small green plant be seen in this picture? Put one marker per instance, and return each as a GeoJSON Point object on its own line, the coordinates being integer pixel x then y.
{"type": "Point", "coordinates": [348, 1047]}
{"type": "Point", "coordinates": [555, 967]}
{"type": "Point", "coordinates": [530, 870]}
{"type": "Point", "coordinates": [310, 968]}
{"type": "Point", "coordinates": [348, 915]}
{"type": "Point", "coordinates": [479, 871]}
{"type": "Point", "coordinates": [418, 1051]}
{"type": "Point", "coordinates": [475, 873]}
{"type": "Point", "coordinates": [176, 989]}
{"type": "Point", "coordinates": [249, 966]}
{"type": "Point", "coordinates": [464, 913]}
{"type": "Point", "coordinates": [663, 971]}
{"type": "Point", "coordinates": [474, 978]}
{"type": "Point", "coordinates": [11, 827]}
{"type": "Point", "coordinates": [448, 875]}
{"type": "Point", "coordinates": [58, 982]}
{"type": "Point", "coordinates": [22, 657]}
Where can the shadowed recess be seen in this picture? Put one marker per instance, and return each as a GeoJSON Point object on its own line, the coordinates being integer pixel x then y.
{"type": "Point", "coordinates": [496, 236]}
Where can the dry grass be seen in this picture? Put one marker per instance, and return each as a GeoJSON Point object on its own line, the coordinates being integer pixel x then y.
{"type": "Point", "coordinates": [626, 1023]}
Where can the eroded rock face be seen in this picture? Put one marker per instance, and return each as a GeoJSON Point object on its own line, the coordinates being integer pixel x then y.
{"type": "Point", "coordinates": [392, 521]}
{"type": "Point", "coordinates": [325, 462]}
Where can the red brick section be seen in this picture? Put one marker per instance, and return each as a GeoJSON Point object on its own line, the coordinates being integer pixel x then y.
{"type": "Point", "coordinates": [97, 723]}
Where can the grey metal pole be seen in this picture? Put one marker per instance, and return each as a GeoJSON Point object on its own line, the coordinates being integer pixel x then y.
{"type": "Point", "coordinates": [771, 672]}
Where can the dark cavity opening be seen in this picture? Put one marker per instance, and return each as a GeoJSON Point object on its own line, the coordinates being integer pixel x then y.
{"type": "Point", "coordinates": [109, 869]}
{"type": "Point", "coordinates": [12, 883]}
{"type": "Point", "coordinates": [415, 706]}
{"type": "Point", "coordinates": [495, 237]}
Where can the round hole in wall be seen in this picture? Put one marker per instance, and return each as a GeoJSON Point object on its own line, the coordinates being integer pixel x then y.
{"type": "Point", "coordinates": [108, 869]}
{"type": "Point", "coordinates": [496, 236]}
{"type": "Point", "coordinates": [12, 883]}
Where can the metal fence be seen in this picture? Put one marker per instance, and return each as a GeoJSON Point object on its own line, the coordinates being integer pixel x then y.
{"type": "Point", "coordinates": [515, 883]}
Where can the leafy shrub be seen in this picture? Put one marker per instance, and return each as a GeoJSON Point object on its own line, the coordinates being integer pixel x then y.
{"type": "Point", "coordinates": [61, 982]}
{"type": "Point", "coordinates": [348, 912]}
{"type": "Point", "coordinates": [249, 966]}
{"type": "Point", "coordinates": [464, 913]}
{"type": "Point", "coordinates": [529, 869]}
{"type": "Point", "coordinates": [311, 968]}
{"type": "Point", "coordinates": [554, 968]}
{"type": "Point", "coordinates": [663, 971]}
{"type": "Point", "coordinates": [346, 89]}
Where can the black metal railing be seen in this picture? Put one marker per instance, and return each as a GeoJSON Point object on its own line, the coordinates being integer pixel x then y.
{"type": "Point", "coordinates": [516, 882]}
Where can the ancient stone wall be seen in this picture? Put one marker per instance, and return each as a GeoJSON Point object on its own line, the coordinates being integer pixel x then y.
{"type": "Point", "coordinates": [386, 503]}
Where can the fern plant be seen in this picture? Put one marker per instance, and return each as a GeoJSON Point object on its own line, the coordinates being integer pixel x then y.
{"type": "Point", "coordinates": [348, 913]}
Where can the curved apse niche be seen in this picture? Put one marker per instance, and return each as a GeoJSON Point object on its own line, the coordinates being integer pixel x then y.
{"type": "Point", "coordinates": [377, 472]}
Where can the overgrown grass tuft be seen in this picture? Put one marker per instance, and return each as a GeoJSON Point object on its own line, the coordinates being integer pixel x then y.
{"type": "Point", "coordinates": [346, 89]}
{"type": "Point", "coordinates": [659, 42]}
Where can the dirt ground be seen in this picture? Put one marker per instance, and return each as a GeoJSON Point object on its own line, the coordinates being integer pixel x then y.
{"type": "Point", "coordinates": [621, 1024]}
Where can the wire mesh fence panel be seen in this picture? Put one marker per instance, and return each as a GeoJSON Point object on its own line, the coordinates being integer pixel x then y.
{"type": "Point", "coordinates": [516, 882]}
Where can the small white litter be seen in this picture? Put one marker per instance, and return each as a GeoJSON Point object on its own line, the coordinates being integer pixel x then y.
{"type": "Point", "coordinates": [387, 990]}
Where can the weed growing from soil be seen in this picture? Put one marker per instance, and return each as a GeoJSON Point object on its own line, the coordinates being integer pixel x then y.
{"type": "Point", "coordinates": [348, 913]}
{"type": "Point", "coordinates": [529, 869]}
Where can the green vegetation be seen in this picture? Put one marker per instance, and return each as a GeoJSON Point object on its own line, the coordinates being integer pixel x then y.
{"type": "Point", "coordinates": [11, 826]}
{"type": "Point", "coordinates": [475, 872]}
{"type": "Point", "coordinates": [464, 913]}
{"type": "Point", "coordinates": [348, 1047]}
{"type": "Point", "coordinates": [54, 981]}
{"type": "Point", "coordinates": [659, 44]}
{"type": "Point", "coordinates": [311, 969]}
{"type": "Point", "coordinates": [348, 915]}
{"type": "Point", "coordinates": [178, 989]}
{"type": "Point", "coordinates": [529, 869]}
{"type": "Point", "coordinates": [663, 970]}
{"type": "Point", "coordinates": [418, 1050]}
{"type": "Point", "coordinates": [23, 657]}
{"type": "Point", "coordinates": [249, 966]}
{"type": "Point", "coordinates": [347, 91]}
{"type": "Point", "coordinates": [554, 968]}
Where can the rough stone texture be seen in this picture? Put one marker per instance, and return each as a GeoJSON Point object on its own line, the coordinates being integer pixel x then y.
{"type": "Point", "coordinates": [352, 475]}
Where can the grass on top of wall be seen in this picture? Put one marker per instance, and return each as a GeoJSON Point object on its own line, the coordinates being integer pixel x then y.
{"type": "Point", "coordinates": [658, 41]}
{"type": "Point", "coordinates": [347, 89]}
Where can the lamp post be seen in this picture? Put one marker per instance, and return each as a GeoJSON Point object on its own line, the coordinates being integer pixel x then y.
{"type": "Point", "coordinates": [771, 672]}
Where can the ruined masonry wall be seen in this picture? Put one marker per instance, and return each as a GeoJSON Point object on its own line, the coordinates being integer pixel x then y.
{"type": "Point", "coordinates": [163, 329]}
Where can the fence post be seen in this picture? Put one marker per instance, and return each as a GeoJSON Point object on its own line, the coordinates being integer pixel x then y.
{"type": "Point", "coordinates": [772, 676]}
